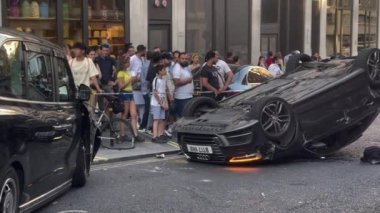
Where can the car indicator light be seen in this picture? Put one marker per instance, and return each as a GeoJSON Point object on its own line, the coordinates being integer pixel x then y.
{"type": "Point", "coordinates": [246, 158]}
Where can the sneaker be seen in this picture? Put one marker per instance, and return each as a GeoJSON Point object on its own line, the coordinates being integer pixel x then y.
{"type": "Point", "coordinates": [142, 130]}
{"type": "Point", "coordinates": [168, 133]}
{"type": "Point", "coordinates": [139, 139]}
{"type": "Point", "coordinates": [148, 131]}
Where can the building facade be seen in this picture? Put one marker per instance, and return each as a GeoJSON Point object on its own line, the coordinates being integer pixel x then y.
{"type": "Point", "coordinates": [247, 28]}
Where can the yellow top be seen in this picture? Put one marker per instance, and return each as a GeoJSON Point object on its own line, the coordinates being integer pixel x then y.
{"type": "Point", "coordinates": [126, 76]}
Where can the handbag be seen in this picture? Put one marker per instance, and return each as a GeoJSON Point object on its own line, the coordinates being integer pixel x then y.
{"type": "Point", "coordinates": [117, 106]}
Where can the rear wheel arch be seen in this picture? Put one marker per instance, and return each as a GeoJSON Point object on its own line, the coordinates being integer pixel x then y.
{"type": "Point", "coordinates": [17, 166]}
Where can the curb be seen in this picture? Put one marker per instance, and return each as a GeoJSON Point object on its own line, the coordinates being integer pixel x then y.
{"type": "Point", "coordinates": [137, 157]}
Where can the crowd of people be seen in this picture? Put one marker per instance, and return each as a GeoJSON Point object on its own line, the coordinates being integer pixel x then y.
{"type": "Point", "coordinates": [155, 86]}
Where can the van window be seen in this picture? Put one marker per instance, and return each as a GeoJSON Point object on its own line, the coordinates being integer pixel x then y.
{"type": "Point", "coordinates": [39, 78]}
{"type": "Point", "coordinates": [11, 74]}
{"type": "Point", "coordinates": [65, 82]}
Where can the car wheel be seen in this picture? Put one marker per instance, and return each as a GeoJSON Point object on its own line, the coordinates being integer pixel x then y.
{"type": "Point", "coordinates": [276, 119]}
{"type": "Point", "coordinates": [10, 192]}
{"type": "Point", "coordinates": [80, 173]}
{"type": "Point", "coordinates": [199, 106]}
{"type": "Point", "coordinates": [295, 61]}
{"type": "Point", "coordinates": [369, 60]}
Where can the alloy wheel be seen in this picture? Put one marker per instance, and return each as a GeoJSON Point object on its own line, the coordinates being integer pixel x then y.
{"type": "Point", "coordinates": [8, 196]}
{"type": "Point", "coordinates": [374, 66]}
{"type": "Point", "coordinates": [275, 118]}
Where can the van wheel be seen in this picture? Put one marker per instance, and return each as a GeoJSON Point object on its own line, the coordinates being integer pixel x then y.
{"type": "Point", "coordinates": [80, 173]}
{"type": "Point", "coordinates": [10, 192]}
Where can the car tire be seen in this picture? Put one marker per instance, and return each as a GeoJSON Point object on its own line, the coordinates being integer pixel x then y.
{"type": "Point", "coordinates": [198, 106]}
{"type": "Point", "coordinates": [10, 192]}
{"type": "Point", "coordinates": [369, 60]}
{"type": "Point", "coordinates": [295, 61]}
{"type": "Point", "coordinates": [277, 120]}
{"type": "Point", "coordinates": [80, 172]}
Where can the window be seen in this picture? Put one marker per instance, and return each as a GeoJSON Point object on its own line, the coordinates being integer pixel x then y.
{"type": "Point", "coordinates": [199, 26]}
{"type": "Point", "coordinates": [65, 82]}
{"type": "Point", "coordinates": [339, 27]}
{"type": "Point", "coordinates": [238, 29]}
{"type": "Point", "coordinates": [39, 78]}
{"type": "Point", "coordinates": [368, 14]}
{"type": "Point", "coordinates": [11, 70]}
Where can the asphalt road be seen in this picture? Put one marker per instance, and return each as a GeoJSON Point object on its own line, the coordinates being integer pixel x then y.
{"type": "Point", "coordinates": [336, 184]}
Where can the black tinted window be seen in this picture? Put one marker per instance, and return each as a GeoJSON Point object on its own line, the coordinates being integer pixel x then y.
{"type": "Point", "coordinates": [11, 70]}
{"type": "Point", "coordinates": [39, 78]}
{"type": "Point", "coordinates": [65, 82]}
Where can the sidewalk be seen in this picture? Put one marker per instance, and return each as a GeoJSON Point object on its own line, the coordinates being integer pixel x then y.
{"type": "Point", "coordinates": [142, 150]}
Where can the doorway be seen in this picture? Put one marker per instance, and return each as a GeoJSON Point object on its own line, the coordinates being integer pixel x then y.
{"type": "Point", "coordinates": [160, 36]}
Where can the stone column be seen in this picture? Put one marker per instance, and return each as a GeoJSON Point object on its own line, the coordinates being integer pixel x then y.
{"type": "Point", "coordinates": [355, 27]}
{"type": "Point", "coordinates": [322, 28]}
{"type": "Point", "coordinates": [139, 22]}
{"type": "Point", "coordinates": [179, 25]}
{"type": "Point", "coordinates": [308, 13]}
{"type": "Point", "coordinates": [255, 30]}
{"type": "Point", "coordinates": [378, 25]}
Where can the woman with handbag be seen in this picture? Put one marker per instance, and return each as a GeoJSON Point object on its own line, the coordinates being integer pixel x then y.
{"type": "Point", "coordinates": [159, 105]}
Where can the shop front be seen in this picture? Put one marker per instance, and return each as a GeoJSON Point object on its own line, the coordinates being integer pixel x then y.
{"type": "Point", "coordinates": [69, 21]}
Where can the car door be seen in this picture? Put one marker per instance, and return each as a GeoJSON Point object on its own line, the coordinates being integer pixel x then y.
{"type": "Point", "coordinates": [68, 119]}
{"type": "Point", "coordinates": [39, 95]}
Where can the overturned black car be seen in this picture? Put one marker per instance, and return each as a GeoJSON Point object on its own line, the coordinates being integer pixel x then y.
{"type": "Point", "coordinates": [316, 109]}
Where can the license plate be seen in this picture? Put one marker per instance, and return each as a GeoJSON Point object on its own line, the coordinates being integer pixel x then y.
{"type": "Point", "coordinates": [199, 149]}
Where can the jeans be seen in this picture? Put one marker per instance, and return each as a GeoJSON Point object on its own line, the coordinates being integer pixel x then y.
{"type": "Point", "coordinates": [145, 117]}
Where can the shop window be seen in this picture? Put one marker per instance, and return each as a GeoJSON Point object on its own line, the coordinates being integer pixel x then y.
{"type": "Point", "coordinates": [11, 70]}
{"type": "Point", "coordinates": [35, 17]}
{"type": "Point", "coordinates": [339, 27]}
{"type": "Point", "coordinates": [269, 10]}
{"type": "Point", "coordinates": [199, 26]}
{"type": "Point", "coordinates": [238, 29]}
{"type": "Point", "coordinates": [39, 78]}
{"type": "Point", "coordinates": [72, 21]}
{"type": "Point", "coordinates": [106, 23]}
{"type": "Point", "coordinates": [368, 18]}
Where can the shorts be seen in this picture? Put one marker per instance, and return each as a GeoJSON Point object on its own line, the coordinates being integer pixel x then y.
{"type": "Point", "coordinates": [128, 96]}
{"type": "Point", "coordinates": [158, 113]}
{"type": "Point", "coordinates": [180, 105]}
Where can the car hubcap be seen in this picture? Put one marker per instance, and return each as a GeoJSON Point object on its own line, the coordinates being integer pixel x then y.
{"type": "Point", "coordinates": [374, 66]}
{"type": "Point", "coordinates": [8, 197]}
{"type": "Point", "coordinates": [275, 118]}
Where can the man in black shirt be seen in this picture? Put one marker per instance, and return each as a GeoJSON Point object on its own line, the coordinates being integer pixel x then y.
{"type": "Point", "coordinates": [209, 75]}
{"type": "Point", "coordinates": [107, 67]}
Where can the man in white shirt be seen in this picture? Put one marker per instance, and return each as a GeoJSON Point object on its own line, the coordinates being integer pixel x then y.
{"type": "Point", "coordinates": [136, 67]}
{"type": "Point", "coordinates": [184, 86]}
{"type": "Point", "coordinates": [225, 73]}
{"type": "Point", "coordinates": [275, 69]}
{"type": "Point", "coordinates": [83, 69]}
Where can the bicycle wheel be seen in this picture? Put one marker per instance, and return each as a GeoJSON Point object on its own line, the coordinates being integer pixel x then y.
{"type": "Point", "coordinates": [121, 134]}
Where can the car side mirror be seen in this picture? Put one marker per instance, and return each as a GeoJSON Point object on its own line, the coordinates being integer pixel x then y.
{"type": "Point", "coordinates": [84, 93]}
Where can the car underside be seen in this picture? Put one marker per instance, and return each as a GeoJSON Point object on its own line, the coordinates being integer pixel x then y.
{"type": "Point", "coordinates": [316, 109]}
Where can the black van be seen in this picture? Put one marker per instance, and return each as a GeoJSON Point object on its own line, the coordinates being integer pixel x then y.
{"type": "Point", "coordinates": [45, 135]}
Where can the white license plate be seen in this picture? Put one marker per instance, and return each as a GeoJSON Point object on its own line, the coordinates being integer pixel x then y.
{"type": "Point", "coordinates": [199, 149]}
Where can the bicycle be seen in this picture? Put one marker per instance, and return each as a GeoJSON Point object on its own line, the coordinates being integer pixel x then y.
{"type": "Point", "coordinates": [112, 128]}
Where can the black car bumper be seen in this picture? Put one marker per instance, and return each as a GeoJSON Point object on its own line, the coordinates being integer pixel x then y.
{"type": "Point", "coordinates": [240, 146]}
